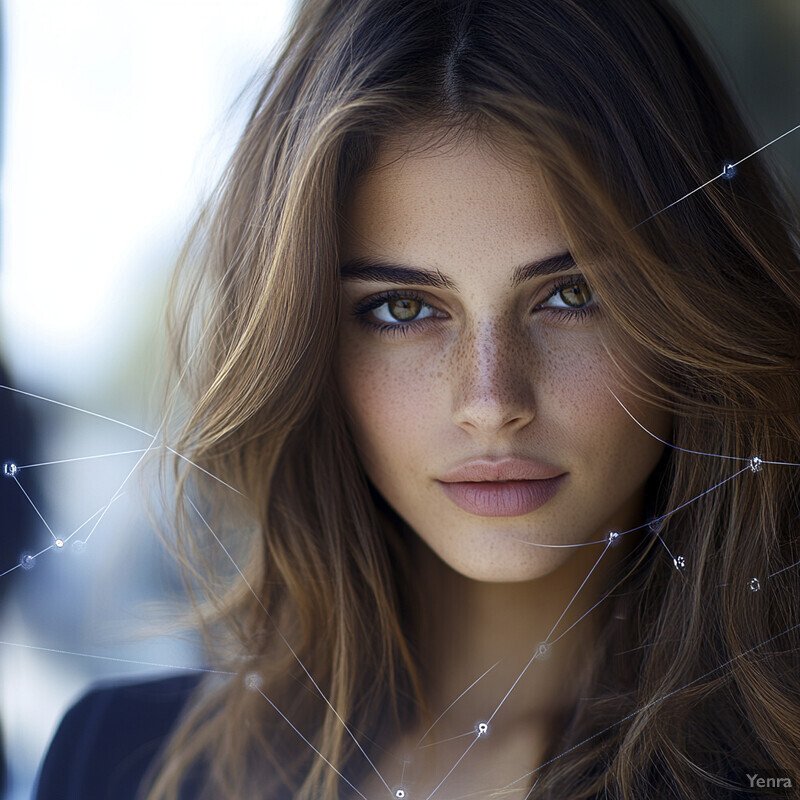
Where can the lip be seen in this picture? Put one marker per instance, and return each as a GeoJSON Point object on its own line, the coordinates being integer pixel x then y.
{"type": "Point", "coordinates": [504, 487]}
{"type": "Point", "coordinates": [502, 498]}
{"type": "Point", "coordinates": [509, 468]}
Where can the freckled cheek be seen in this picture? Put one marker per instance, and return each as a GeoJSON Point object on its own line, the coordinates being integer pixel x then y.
{"type": "Point", "coordinates": [570, 381]}
{"type": "Point", "coordinates": [611, 444]}
{"type": "Point", "coordinates": [392, 401]}
{"type": "Point", "coordinates": [581, 413]}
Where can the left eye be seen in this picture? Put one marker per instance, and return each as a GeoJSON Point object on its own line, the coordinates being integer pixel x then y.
{"type": "Point", "coordinates": [575, 295]}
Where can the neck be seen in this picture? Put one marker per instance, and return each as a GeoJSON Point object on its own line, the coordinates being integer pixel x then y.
{"type": "Point", "coordinates": [469, 626]}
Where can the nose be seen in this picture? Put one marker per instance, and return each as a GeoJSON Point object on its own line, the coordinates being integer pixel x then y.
{"type": "Point", "coordinates": [493, 372]}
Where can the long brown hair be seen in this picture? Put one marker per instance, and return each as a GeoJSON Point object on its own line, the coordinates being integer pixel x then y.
{"type": "Point", "coordinates": [696, 674]}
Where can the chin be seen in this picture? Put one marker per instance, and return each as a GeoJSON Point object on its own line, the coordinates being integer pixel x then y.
{"type": "Point", "coordinates": [502, 574]}
{"type": "Point", "coordinates": [502, 561]}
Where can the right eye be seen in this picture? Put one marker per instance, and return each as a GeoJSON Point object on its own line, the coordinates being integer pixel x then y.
{"type": "Point", "coordinates": [396, 311]}
{"type": "Point", "coordinates": [401, 309]}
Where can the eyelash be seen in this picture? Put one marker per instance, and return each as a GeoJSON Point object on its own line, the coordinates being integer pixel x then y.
{"type": "Point", "coordinates": [401, 329]}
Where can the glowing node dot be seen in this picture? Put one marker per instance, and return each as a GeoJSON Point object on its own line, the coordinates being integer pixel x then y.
{"type": "Point", "coordinates": [680, 563]}
{"type": "Point", "coordinates": [654, 525]}
{"type": "Point", "coordinates": [10, 469]}
{"type": "Point", "coordinates": [728, 171]}
{"type": "Point", "coordinates": [400, 793]}
{"type": "Point", "coordinates": [78, 546]}
{"type": "Point", "coordinates": [253, 681]}
{"type": "Point", "coordinates": [482, 728]}
{"type": "Point", "coordinates": [756, 464]}
{"type": "Point", "coordinates": [27, 561]}
{"type": "Point", "coordinates": [543, 650]}
{"type": "Point", "coordinates": [613, 537]}
{"type": "Point", "coordinates": [754, 584]}
{"type": "Point", "coordinates": [59, 543]}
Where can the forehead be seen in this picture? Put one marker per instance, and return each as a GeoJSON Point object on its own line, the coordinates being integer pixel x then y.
{"type": "Point", "coordinates": [451, 203]}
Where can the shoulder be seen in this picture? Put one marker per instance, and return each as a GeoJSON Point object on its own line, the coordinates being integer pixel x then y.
{"type": "Point", "coordinates": [108, 739]}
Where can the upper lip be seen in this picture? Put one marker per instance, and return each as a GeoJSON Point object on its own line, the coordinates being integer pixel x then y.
{"type": "Point", "coordinates": [501, 469]}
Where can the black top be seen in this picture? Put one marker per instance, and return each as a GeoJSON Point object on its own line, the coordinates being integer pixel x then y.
{"type": "Point", "coordinates": [109, 738]}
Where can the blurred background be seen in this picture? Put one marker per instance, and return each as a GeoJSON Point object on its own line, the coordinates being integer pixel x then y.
{"type": "Point", "coordinates": [116, 121]}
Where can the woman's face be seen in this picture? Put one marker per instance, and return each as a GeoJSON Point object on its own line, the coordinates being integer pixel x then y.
{"type": "Point", "coordinates": [475, 361]}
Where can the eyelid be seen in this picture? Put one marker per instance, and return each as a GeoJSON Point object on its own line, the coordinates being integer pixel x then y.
{"type": "Point", "coordinates": [377, 300]}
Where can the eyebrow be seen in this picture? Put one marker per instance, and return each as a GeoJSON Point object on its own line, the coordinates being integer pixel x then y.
{"type": "Point", "coordinates": [380, 269]}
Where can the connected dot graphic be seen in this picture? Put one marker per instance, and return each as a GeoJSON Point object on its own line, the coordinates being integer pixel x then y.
{"type": "Point", "coordinates": [27, 561]}
{"type": "Point", "coordinates": [253, 681]}
{"type": "Point", "coordinates": [403, 785]}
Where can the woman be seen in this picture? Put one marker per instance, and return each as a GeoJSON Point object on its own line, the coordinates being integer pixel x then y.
{"type": "Point", "coordinates": [496, 421]}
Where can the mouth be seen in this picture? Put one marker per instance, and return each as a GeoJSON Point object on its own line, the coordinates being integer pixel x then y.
{"type": "Point", "coordinates": [502, 498]}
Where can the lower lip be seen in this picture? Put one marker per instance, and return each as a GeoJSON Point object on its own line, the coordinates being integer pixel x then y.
{"type": "Point", "coordinates": [502, 498]}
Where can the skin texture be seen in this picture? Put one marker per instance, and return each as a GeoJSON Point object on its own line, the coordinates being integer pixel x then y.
{"type": "Point", "coordinates": [490, 370]}
{"type": "Point", "coordinates": [490, 379]}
